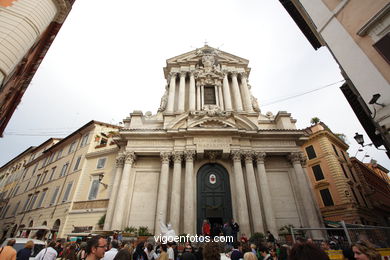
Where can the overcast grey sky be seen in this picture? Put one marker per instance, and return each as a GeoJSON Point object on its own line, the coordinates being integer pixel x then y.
{"type": "Point", "coordinates": [108, 57]}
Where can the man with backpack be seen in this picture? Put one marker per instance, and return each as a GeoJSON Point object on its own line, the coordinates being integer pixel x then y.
{"type": "Point", "coordinates": [48, 253]}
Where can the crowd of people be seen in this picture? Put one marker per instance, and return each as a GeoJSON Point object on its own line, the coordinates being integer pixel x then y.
{"type": "Point", "coordinates": [98, 247]}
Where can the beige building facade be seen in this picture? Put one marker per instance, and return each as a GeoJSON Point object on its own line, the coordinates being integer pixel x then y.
{"type": "Point", "coordinates": [64, 185]}
{"type": "Point", "coordinates": [357, 34]}
{"type": "Point", "coordinates": [209, 153]}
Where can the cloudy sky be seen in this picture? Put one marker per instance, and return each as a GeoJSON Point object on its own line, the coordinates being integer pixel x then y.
{"type": "Point", "coordinates": [108, 57]}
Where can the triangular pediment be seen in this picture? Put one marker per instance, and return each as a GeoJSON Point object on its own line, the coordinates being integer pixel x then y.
{"type": "Point", "coordinates": [194, 57]}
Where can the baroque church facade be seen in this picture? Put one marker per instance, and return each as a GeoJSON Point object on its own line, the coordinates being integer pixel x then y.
{"type": "Point", "coordinates": [209, 153]}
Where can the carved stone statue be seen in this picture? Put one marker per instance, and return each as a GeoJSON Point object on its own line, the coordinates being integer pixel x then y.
{"type": "Point", "coordinates": [167, 231]}
{"type": "Point", "coordinates": [255, 104]}
{"type": "Point", "coordinates": [164, 100]}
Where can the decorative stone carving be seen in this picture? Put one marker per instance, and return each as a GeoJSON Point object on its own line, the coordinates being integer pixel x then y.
{"type": "Point", "coordinates": [260, 157]}
{"type": "Point", "coordinates": [255, 104]}
{"type": "Point", "coordinates": [164, 100]}
{"type": "Point", "coordinates": [129, 157]}
{"type": "Point", "coordinates": [165, 157]}
{"type": "Point", "coordinates": [294, 157]}
{"type": "Point", "coordinates": [120, 160]}
{"type": "Point", "coordinates": [189, 155]}
{"type": "Point", "coordinates": [213, 155]}
{"type": "Point", "coordinates": [248, 155]}
{"type": "Point", "coordinates": [183, 73]}
{"type": "Point", "coordinates": [236, 155]}
{"type": "Point", "coordinates": [212, 124]}
{"type": "Point", "coordinates": [208, 61]}
{"type": "Point", "coordinates": [177, 156]}
{"type": "Point", "coordinates": [302, 158]}
{"type": "Point", "coordinates": [211, 111]}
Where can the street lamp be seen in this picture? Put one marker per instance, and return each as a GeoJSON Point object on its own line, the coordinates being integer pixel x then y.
{"type": "Point", "coordinates": [360, 140]}
{"type": "Point", "coordinates": [101, 176]}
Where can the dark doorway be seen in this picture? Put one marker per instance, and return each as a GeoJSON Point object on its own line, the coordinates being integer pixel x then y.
{"type": "Point", "coordinates": [213, 197]}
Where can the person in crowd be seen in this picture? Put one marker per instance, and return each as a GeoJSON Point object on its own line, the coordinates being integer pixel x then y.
{"type": "Point", "coordinates": [211, 251]}
{"type": "Point", "coordinates": [283, 254]}
{"type": "Point", "coordinates": [123, 254]}
{"type": "Point", "coordinates": [235, 229]}
{"type": "Point", "coordinates": [139, 253]}
{"type": "Point", "coordinates": [188, 253]}
{"type": "Point", "coordinates": [270, 237]}
{"type": "Point", "coordinates": [175, 251]}
{"type": "Point", "coordinates": [48, 253]}
{"type": "Point", "coordinates": [81, 254]}
{"type": "Point", "coordinates": [348, 254]}
{"type": "Point", "coordinates": [8, 252]}
{"type": "Point", "coordinates": [250, 256]}
{"type": "Point", "coordinates": [163, 252]}
{"type": "Point", "coordinates": [273, 253]}
{"type": "Point", "coordinates": [206, 229]}
{"type": "Point", "coordinates": [199, 253]}
{"type": "Point", "coordinates": [264, 253]}
{"type": "Point", "coordinates": [245, 247]}
{"type": "Point", "coordinates": [237, 251]}
{"type": "Point", "coordinates": [171, 253]}
{"type": "Point", "coordinates": [70, 252]}
{"type": "Point", "coordinates": [150, 252]}
{"type": "Point", "coordinates": [307, 251]}
{"type": "Point", "coordinates": [59, 247]}
{"type": "Point", "coordinates": [253, 248]}
{"type": "Point", "coordinates": [25, 253]}
{"type": "Point", "coordinates": [110, 254]}
{"type": "Point", "coordinates": [243, 238]}
{"type": "Point", "coordinates": [96, 248]}
{"type": "Point", "coordinates": [364, 251]}
{"type": "Point", "coordinates": [324, 246]}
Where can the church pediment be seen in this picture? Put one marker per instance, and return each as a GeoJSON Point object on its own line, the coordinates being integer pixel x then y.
{"type": "Point", "coordinates": [195, 57]}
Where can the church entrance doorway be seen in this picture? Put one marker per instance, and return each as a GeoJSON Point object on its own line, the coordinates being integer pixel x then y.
{"type": "Point", "coordinates": [214, 201]}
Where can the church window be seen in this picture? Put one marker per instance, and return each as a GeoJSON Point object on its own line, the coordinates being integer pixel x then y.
{"type": "Point", "coordinates": [209, 95]}
{"type": "Point", "coordinates": [318, 174]}
{"type": "Point", "coordinates": [326, 197]}
{"type": "Point", "coordinates": [310, 152]}
{"type": "Point", "coordinates": [94, 189]}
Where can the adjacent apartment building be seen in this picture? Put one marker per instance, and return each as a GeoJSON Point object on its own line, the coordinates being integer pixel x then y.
{"type": "Point", "coordinates": [28, 28]}
{"type": "Point", "coordinates": [357, 33]}
{"type": "Point", "coordinates": [63, 184]}
{"type": "Point", "coordinates": [345, 188]}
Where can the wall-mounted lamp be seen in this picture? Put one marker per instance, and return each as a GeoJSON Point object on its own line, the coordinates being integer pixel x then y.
{"type": "Point", "coordinates": [374, 100]}
{"type": "Point", "coordinates": [101, 176]}
{"type": "Point", "coordinates": [360, 140]}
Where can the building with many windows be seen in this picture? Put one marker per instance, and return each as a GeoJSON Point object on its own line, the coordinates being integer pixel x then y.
{"type": "Point", "coordinates": [28, 28]}
{"type": "Point", "coordinates": [62, 184]}
{"type": "Point", "coordinates": [340, 190]}
{"type": "Point", "coordinates": [357, 33]}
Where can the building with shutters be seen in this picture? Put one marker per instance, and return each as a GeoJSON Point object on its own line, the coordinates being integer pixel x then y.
{"type": "Point", "coordinates": [28, 28]}
{"type": "Point", "coordinates": [340, 183]}
{"type": "Point", "coordinates": [357, 33]}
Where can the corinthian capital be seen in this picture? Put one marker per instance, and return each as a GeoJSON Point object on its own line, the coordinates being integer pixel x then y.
{"type": "Point", "coordinates": [234, 73]}
{"type": "Point", "coordinates": [260, 157]}
{"type": "Point", "coordinates": [244, 75]}
{"type": "Point", "coordinates": [189, 155]}
{"type": "Point", "coordinates": [177, 156]}
{"type": "Point", "coordinates": [129, 157]}
{"type": "Point", "coordinates": [165, 157]}
{"type": "Point", "coordinates": [302, 158]}
{"type": "Point", "coordinates": [183, 74]}
{"type": "Point", "coordinates": [236, 155]}
{"type": "Point", "coordinates": [248, 155]}
{"type": "Point", "coordinates": [294, 157]}
{"type": "Point", "coordinates": [120, 160]}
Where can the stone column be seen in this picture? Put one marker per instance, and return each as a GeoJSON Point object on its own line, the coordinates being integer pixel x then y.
{"type": "Point", "coordinates": [201, 97]}
{"type": "Point", "coordinates": [182, 91]}
{"type": "Point", "coordinates": [175, 197]}
{"type": "Point", "coordinates": [245, 93]}
{"type": "Point", "coordinates": [216, 96]}
{"type": "Point", "coordinates": [296, 159]}
{"type": "Point", "coordinates": [236, 92]}
{"type": "Point", "coordinates": [120, 161]}
{"type": "Point", "coordinates": [220, 96]}
{"type": "Point", "coordinates": [162, 197]}
{"type": "Point", "coordinates": [226, 93]}
{"type": "Point", "coordinates": [189, 202]}
{"type": "Point", "coordinates": [120, 207]}
{"type": "Point", "coordinates": [198, 107]}
{"type": "Point", "coordinates": [254, 200]}
{"type": "Point", "coordinates": [192, 92]}
{"type": "Point", "coordinates": [241, 202]}
{"type": "Point", "coordinates": [171, 93]}
{"type": "Point", "coordinates": [266, 194]}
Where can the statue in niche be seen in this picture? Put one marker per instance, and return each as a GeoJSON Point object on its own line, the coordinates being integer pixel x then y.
{"type": "Point", "coordinates": [164, 100]}
{"type": "Point", "coordinates": [167, 231]}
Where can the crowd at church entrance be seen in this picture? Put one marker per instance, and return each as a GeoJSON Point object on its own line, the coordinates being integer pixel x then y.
{"type": "Point", "coordinates": [99, 247]}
